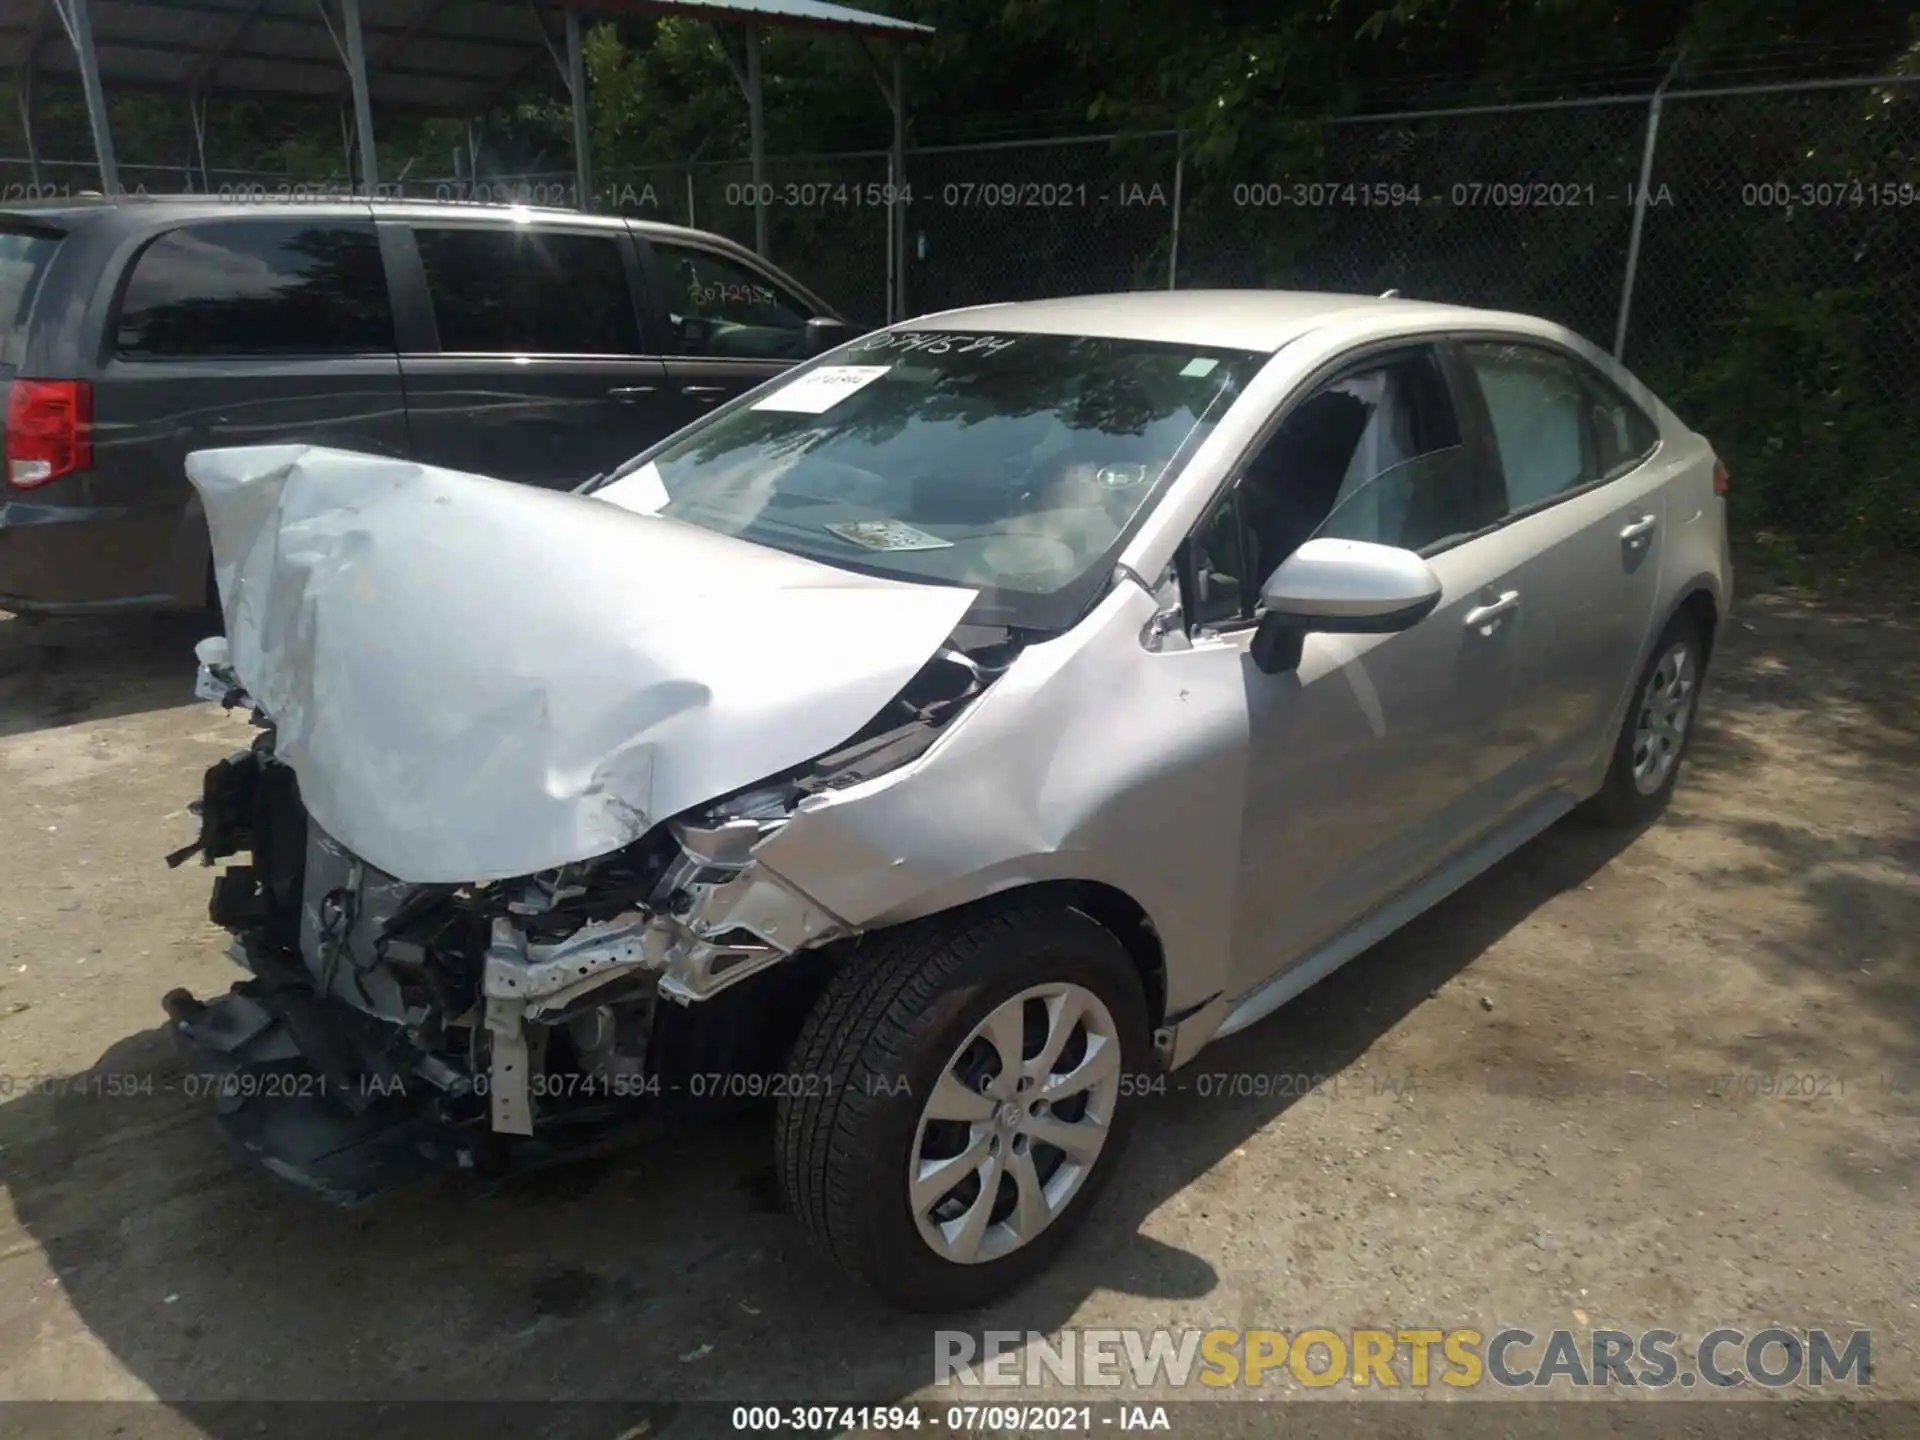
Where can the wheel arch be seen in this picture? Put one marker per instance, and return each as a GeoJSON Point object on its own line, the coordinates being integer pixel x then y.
{"type": "Point", "coordinates": [1699, 602]}
{"type": "Point", "coordinates": [1106, 904]}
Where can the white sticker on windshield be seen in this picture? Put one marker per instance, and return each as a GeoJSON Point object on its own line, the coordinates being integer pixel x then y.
{"type": "Point", "coordinates": [818, 391]}
{"type": "Point", "coordinates": [887, 535]}
{"type": "Point", "coordinates": [1198, 367]}
{"type": "Point", "coordinates": [641, 491]}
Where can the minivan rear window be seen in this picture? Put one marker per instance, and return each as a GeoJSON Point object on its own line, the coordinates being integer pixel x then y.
{"type": "Point", "coordinates": [258, 287]}
{"type": "Point", "coordinates": [23, 260]}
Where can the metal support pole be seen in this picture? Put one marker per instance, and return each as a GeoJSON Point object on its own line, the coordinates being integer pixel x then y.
{"type": "Point", "coordinates": [79, 26]}
{"type": "Point", "coordinates": [893, 238]}
{"type": "Point", "coordinates": [691, 222]}
{"type": "Point", "coordinates": [1173, 238]}
{"type": "Point", "coordinates": [25, 94]}
{"type": "Point", "coordinates": [197, 108]}
{"type": "Point", "coordinates": [1640, 212]}
{"type": "Point", "coordinates": [899, 98]}
{"type": "Point", "coordinates": [346, 145]}
{"type": "Point", "coordinates": [577, 85]}
{"type": "Point", "coordinates": [757, 132]}
{"type": "Point", "coordinates": [362, 100]}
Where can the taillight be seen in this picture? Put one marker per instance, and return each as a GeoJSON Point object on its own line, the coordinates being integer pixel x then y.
{"type": "Point", "coordinates": [1722, 481]}
{"type": "Point", "coordinates": [49, 430]}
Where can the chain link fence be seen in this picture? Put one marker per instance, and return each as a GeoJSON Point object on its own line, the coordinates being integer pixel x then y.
{"type": "Point", "coordinates": [1020, 221]}
{"type": "Point", "coordinates": [1776, 303]}
{"type": "Point", "coordinates": [1527, 213]}
{"type": "Point", "coordinates": [1773, 300]}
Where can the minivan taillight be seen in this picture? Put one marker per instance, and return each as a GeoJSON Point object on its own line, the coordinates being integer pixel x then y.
{"type": "Point", "coordinates": [1722, 481]}
{"type": "Point", "coordinates": [49, 430]}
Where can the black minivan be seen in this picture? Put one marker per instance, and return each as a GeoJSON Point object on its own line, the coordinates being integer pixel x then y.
{"type": "Point", "coordinates": [541, 346]}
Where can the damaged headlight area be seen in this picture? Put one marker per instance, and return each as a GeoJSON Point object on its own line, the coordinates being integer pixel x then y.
{"type": "Point", "coordinates": [387, 1029]}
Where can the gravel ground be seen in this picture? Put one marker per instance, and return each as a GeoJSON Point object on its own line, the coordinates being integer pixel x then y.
{"type": "Point", "coordinates": [1563, 1098]}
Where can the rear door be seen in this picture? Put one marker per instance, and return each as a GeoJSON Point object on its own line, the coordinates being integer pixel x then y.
{"type": "Point", "coordinates": [238, 331]}
{"type": "Point", "coordinates": [521, 348]}
{"type": "Point", "coordinates": [1586, 507]}
{"type": "Point", "coordinates": [727, 324]}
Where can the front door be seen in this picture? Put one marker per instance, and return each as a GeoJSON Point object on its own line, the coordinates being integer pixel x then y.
{"type": "Point", "coordinates": [1366, 763]}
{"type": "Point", "coordinates": [527, 359]}
{"type": "Point", "coordinates": [728, 326]}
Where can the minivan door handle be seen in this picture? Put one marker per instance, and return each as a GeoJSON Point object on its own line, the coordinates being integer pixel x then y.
{"type": "Point", "coordinates": [704, 392]}
{"type": "Point", "coordinates": [631, 392]}
{"type": "Point", "coordinates": [1484, 617]}
{"type": "Point", "coordinates": [1639, 529]}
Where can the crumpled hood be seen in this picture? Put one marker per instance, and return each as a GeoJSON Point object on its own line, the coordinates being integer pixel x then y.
{"type": "Point", "coordinates": [475, 680]}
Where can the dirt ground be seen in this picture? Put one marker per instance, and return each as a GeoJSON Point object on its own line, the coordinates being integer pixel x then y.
{"type": "Point", "coordinates": [1556, 1102]}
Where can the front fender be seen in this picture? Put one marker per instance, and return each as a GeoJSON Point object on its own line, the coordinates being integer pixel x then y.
{"type": "Point", "coordinates": [1091, 759]}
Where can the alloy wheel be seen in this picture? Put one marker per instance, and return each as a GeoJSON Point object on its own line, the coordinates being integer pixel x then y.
{"type": "Point", "coordinates": [1015, 1123]}
{"type": "Point", "coordinates": [1664, 712]}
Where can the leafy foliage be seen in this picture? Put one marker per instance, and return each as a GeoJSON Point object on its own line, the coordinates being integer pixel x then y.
{"type": "Point", "coordinates": [1790, 334]}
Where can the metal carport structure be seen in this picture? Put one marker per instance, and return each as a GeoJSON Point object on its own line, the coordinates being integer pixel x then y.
{"type": "Point", "coordinates": [451, 57]}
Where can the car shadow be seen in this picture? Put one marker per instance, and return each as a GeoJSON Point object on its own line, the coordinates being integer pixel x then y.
{"type": "Point", "coordinates": [62, 671]}
{"type": "Point", "coordinates": [667, 1275]}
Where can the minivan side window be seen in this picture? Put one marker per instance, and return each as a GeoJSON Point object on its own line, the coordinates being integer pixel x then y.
{"type": "Point", "coordinates": [257, 288]}
{"type": "Point", "coordinates": [719, 307]}
{"type": "Point", "coordinates": [520, 291]}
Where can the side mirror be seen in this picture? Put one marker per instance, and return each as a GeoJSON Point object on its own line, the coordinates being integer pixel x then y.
{"type": "Point", "coordinates": [1348, 587]}
{"type": "Point", "coordinates": [824, 332]}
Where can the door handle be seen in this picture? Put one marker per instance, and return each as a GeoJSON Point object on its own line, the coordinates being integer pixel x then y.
{"type": "Point", "coordinates": [1639, 529]}
{"type": "Point", "coordinates": [704, 392]}
{"type": "Point", "coordinates": [631, 392]}
{"type": "Point", "coordinates": [1485, 617]}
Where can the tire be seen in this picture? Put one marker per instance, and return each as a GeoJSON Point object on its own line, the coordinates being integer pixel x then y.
{"type": "Point", "coordinates": [899, 1016]}
{"type": "Point", "coordinates": [1631, 794]}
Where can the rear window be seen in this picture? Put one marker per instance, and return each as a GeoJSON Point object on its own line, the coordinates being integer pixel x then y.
{"type": "Point", "coordinates": [257, 287]}
{"type": "Point", "coordinates": [23, 260]}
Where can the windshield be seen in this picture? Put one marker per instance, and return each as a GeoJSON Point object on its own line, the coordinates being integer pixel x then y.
{"type": "Point", "coordinates": [1012, 464]}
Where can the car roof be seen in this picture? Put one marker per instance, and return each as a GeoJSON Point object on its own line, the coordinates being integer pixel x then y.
{"type": "Point", "coordinates": [168, 209]}
{"type": "Point", "coordinates": [1257, 320]}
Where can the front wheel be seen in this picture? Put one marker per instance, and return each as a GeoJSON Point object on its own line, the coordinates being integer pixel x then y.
{"type": "Point", "coordinates": [956, 1100]}
{"type": "Point", "coordinates": [1658, 725]}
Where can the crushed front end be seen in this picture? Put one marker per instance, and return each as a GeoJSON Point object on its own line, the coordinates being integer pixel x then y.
{"type": "Point", "coordinates": [388, 1030]}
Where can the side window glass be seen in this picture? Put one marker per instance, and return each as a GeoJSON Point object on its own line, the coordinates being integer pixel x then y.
{"type": "Point", "coordinates": [1220, 594]}
{"type": "Point", "coordinates": [721, 308]}
{"type": "Point", "coordinates": [1623, 436]}
{"type": "Point", "coordinates": [521, 291]}
{"type": "Point", "coordinates": [1424, 504]}
{"type": "Point", "coordinates": [257, 287]}
{"type": "Point", "coordinates": [1373, 455]}
{"type": "Point", "coordinates": [1537, 401]}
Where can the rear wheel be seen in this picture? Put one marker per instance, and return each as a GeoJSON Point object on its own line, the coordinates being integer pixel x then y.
{"type": "Point", "coordinates": [957, 1099]}
{"type": "Point", "coordinates": [1658, 725]}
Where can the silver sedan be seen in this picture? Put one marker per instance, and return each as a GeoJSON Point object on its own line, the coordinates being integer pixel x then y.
{"type": "Point", "coordinates": [941, 742]}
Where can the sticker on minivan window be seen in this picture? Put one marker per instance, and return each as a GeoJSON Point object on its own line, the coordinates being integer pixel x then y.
{"type": "Point", "coordinates": [818, 391]}
{"type": "Point", "coordinates": [887, 535]}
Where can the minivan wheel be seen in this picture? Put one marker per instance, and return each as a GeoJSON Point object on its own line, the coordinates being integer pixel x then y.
{"type": "Point", "coordinates": [958, 1097]}
{"type": "Point", "coordinates": [1653, 736]}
